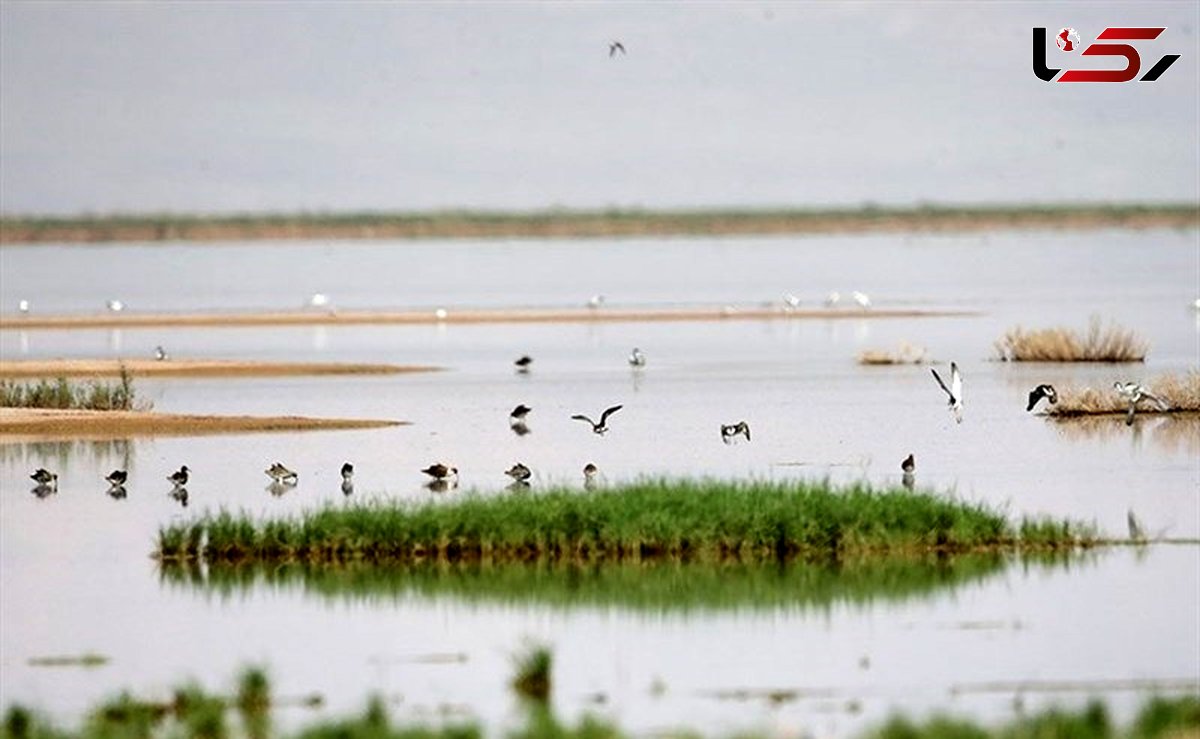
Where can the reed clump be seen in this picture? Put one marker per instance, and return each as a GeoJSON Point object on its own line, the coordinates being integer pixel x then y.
{"type": "Point", "coordinates": [905, 353]}
{"type": "Point", "coordinates": [1097, 344]}
{"type": "Point", "coordinates": [691, 520]}
{"type": "Point", "coordinates": [1178, 393]}
{"type": "Point", "coordinates": [532, 669]}
{"type": "Point", "coordinates": [64, 394]}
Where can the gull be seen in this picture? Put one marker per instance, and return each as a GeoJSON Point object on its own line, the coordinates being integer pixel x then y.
{"type": "Point", "coordinates": [116, 478]}
{"type": "Point", "coordinates": [441, 472]}
{"type": "Point", "coordinates": [1137, 533]}
{"type": "Point", "coordinates": [519, 472]}
{"type": "Point", "coordinates": [1135, 393]}
{"type": "Point", "coordinates": [179, 479]}
{"type": "Point", "coordinates": [23, 306]}
{"type": "Point", "coordinates": [523, 362]}
{"type": "Point", "coordinates": [1041, 391]}
{"type": "Point", "coordinates": [116, 306]}
{"type": "Point", "coordinates": [595, 301]}
{"type": "Point", "coordinates": [43, 476]}
{"type": "Point", "coordinates": [281, 474]}
{"type": "Point", "coordinates": [160, 354]}
{"type": "Point", "coordinates": [863, 301]}
{"type": "Point", "coordinates": [614, 47]}
{"type": "Point", "coordinates": [636, 358]}
{"type": "Point", "coordinates": [347, 478]}
{"type": "Point", "coordinates": [955, 391]}
{"type": "Point", "coordinates": [598, 428]}
{"type": "Point", "coordinates": [832, 299]}
{"type": "Point", "coordinates": [728, 432]}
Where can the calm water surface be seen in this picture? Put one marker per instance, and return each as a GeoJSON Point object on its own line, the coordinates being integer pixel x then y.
{"type": "Point", "coordinates": [75, 573]}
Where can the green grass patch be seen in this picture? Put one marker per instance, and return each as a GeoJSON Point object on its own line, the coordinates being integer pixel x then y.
{"type": "Point", "coordinates": [688, 520]}
{"type": "Point", "coordinates": [65, 394]}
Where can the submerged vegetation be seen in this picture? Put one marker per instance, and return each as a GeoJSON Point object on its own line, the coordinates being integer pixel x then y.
{"type": "Point", "coordinates": [691, 520]}
{"type": "Point", "coordinates": [1098, 344]}
{"type": "Point", "coordinates": [656, 587]}
{"type": "Point", "coordinates": [1176, 393]}
{"type": "Point", "coordinates": [193, 712]}
{"type": "Point", "coordinates": [65, 394]}
{"type": "Point", "coordinates": [559, 223]}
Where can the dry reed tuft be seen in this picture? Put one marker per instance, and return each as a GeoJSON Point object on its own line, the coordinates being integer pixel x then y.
{"type": "Point", "coordinates": [906, 353]}
{"type": "Point", "coordinates": [1178, 394]}
{"type": "Point", "coordinates": [1099, 344]}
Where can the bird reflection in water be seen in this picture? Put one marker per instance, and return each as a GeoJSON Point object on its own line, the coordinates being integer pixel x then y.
{"type": "Point", "coordinates": [180, 495]}
{"type": "Point", "coordinates": [117, 492]}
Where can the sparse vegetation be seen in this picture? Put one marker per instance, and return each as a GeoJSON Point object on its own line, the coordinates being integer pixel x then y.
{"type": "Point", "coordinates": [533, 672]}
{"type": "Point", "coordinates": [692, 520]}
{"type": "Point", "coordinates": [64, 394]}
{"type": "Point", "coordinates": [904, 354]}
{"type": "Point", "coordinates": [1098, 344]}
{"type": "Point", "coordinates": [1178, 394]}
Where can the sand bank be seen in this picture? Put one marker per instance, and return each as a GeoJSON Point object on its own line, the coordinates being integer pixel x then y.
{"type": "Point", "coordinates": [456, 316]}
{"type": "Point", "coordinates": [40, 424]}
{"type": "Point", "coordinates": [191, 368]}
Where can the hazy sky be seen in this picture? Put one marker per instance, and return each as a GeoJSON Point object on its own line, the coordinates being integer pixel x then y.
{"type": "Point", "coordinates": [243, 106]}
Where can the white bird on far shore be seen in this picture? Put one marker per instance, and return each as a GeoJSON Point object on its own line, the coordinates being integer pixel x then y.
{"type": "Point", "coordinates": [863, 301]}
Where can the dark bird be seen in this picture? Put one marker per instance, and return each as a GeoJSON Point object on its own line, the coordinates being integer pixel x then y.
{"type": "Point", "coordinates": [601, 427]}
{"type": "Point", "coordinates": [518, 414]}
{"type": "Point", "coordinates": [523, 363]}
{"type": "Point", "coordinates": [160, 354]}
{"type": "Point", "coordinates": [347, 472]}
{"type": "Point", "coordinates": [440, 471]}
{"type": "Point", "coordinates": [117, 477]}
{"type": "Point", "coordinates": [1039, 392]}
{"type": "Point", "coordinates": [43, 476]}
{"type": "Point", "coordinates": [955, 391]}
{"type": "Point", "coordinates": [279, 473]}
{"type": "Point", "coordinates": [519, 472]}
{"type": "Point", "coordinates": [614, 47]}
{"type": "Point", "coordinates": [180, 478]}
{"type": "Point", "coordinates": [909, 465]}
{"type": "Point", "coordinates": [730, 431]}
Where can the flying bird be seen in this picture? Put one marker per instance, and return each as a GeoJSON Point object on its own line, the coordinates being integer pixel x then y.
{"type": "Point", "coordinates": [519, 472]}
{"type": "Point", "coordinates": [1041, 391]}
{"type": "Point", "coordinates": [180, 478]}
{"type": "Point", "coordinates": [117, 478]}
{"type": "Point", "coordinates": [602, 426]}
{"type": "Point", "coordinates": [523, 362]}
{"type": "Point", "coordinates": [1135, 393]}
{"type": "Point", "coordinates": [730, 431]}
{"type": "Point", "coordinates": [614, 47]}
{"type": "Point", "coordinates": [43, 476]}
{"type": "Point", "coordinates": [441, 472]}
{"type": "Point", "coordinates": [281, 474]}
{"type": "Point", "coordinates": [636, 358]}
{"type": "Point", "coordinates": [955, 391]}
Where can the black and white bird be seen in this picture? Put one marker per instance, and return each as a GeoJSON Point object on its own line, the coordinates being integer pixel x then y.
{"type": "Point", "coordinates": [179, 478]}
{"type": "Point", "coordinates": [160, 354]}
{"type": "Point", "coordinates": [523, 363]}
{"type": "Point", "coordinates": [43, 476]}
{"type": "Point", "coordinates": [955, 391]}
{"type": "Point", "coordinates": [439, 471]}
{"type": "Point", "coordinates": [519, 472]}
{"type": "Point", "coordinates": [590, 474]}
{"type": "Point", "coordinates": [636, 358]}
{"type": "Point", "coordinates": [730, 431]}
{"type": "Point", "coordinates": [614, 47]}
{"type": "Point", "coordinates": [909, 468]}
{"type": "Point", "coordinates": [347, 478]}
{"type": "Point", "coordinates": [117, 477]}
{"type": "Point", "coordinates": [602, 426]}
{"type": "Point", "coordinates": [518, 414]}
{"type": "Point", "coordinates": [281, 474]}
{"type": "Point", "coordinates": [595, 301]}
{"type": "Point", "coordinates": [1041, 391]}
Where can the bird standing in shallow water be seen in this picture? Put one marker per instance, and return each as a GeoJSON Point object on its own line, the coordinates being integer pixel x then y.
{"type": "Point", "coordinates": [160, 354]}
{"type": "Point", "coordinates": [909, 468]}
{"type": "Point", "coordinates": [590, 472]}
{"type": "Point", "coordinates": [1135, 393]}
{"type": "Point", "coordinates": [180, 478]}
{"type": "Point", "coordinates": [117, 477]}
{"type": "Point", "coordinates": [730, 431]}
{"type": "Point", "coordinates": [863, 301]}
{"type": "Point", "coordinates": [43, 476]}
{"type": "Point", "coordinates": [636, 358]}
{"type": "Point", "coordinates": [116, 306]}
{"type": "Point", "coordinates": [523, 363]}
{"type": "Point", "coordinates": [955, 391]}
{"type": "Point", "coordinates": [519, 472]}
{"type": "Point", "coordinates": [1041, 391]}
{"type": "Point", "coordinates": [281, 474]}
{"type": "Point", "coordinates": [347, 478]}
{"type": "Point", "coordinates": [602, 426]}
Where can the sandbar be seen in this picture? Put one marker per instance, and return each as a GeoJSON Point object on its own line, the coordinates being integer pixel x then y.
{"type": "Point", "coordinates": [16, 369]}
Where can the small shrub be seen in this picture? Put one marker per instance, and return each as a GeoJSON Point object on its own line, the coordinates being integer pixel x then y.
{"type": "Point", "coordinates": [1099, 344]}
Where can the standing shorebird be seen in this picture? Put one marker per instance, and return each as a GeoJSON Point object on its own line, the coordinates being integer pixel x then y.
{"type": "Point", "coordinates": [791, 302]}
{"type": "Point", "coordinates": [863, 301]}
{"type": "Point", "coordinates": [518, 414]}
{"type": "Point", "coordinates": [1041, 391]}
{"type": "Point", "coordinates": [439, 471]}
{"type": "Point", "coordinates": [43, 476]}
{"type": "Point", "coordinates": [523, 363]}
{"type": "Point", "coordinates": [602, 426]}
{"type": "Point", "coordinates": [180, 477]}
{"type": "Point", "coordinates": [832, 299]}
{"type": "Point", "coordinates": [731, 431]}
{"type": "Point", "coordinates": [1137, 532]}
{"type": "Point", "coordinates": [590, 473]}
{"type": "Point", "coordinates": [614, 47]}
{"type": "Point", "coordinates": [22, 306]}
{"type": "Point", "coordinates": [519, 472]}
{"type": "Point", "coordinates": [281, 474]}
{"type": "Point", "coordinates": [637, 360]}
{"type": "Point", "coordinates": [595, 301]}
{"type": "Point", "coordinates": [347, 478]}
{"type": "Point", "coordinates": [160, 354]}
{"type": "Point", "coordinates": [909, 468]}
{"type": "Point", "coordinates": [955, 391]}
{"type": "Point", "coordinates": [116, 306]}
{"type": "Point", "coordinates": [117, 478]}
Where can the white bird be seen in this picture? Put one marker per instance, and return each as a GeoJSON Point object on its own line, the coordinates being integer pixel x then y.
{"type": "Point", "coordinates": [636, 358]}
{"type": "Point", "coordinates": [23, 306]}
{"type": "Point", "coordinates": [955, 391]}
{"type": "Point", "coordinates": [318, 300]}
{"type": "Point", "coordinates": [833, 299]}
{"type": "Point", "coordinates": [595, 301]}
{"type": "Point", "coordinates": [1135, 393]}
{"type": "Point", "coordinates": [116, 306]}
{"type": "Point", "coordinates": [863, 301]}
{"type": "Point", "coordinates": [160, 354]}
{"type": "Point", "coordinates": [791, 301]}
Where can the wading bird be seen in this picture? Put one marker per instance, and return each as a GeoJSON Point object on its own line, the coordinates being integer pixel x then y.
{"type": "Point", "coordinates": [160, 354]}
{"type": "Point", "coordinates": [1041, 391]}
{"type": "Point", "coordinates": [43, 476]}
{"type": "Point", "coordinates": [1135, 393]}
{"type": "Point", "coordinates": [23, 306]}
{"type": "Point", "coordinates": [281, 474]}
{"type": "Point", "coordinates": [180, 478]}
{"type": "Point", "coordinates": [614, 47]}
{"type": "Point", "coordinates": [116, 306]}
{"type": "Point", "coordinates": [439, 471]}
{"type": "Point", "coordinates": [955, 391]}
{"type": "Point", "coordinates": [863, 301]}
{"type": "Point", "coordinates": [602, 426]}
{"type": "Point", "coordinates": [523, 363]}
{"type": "Point", "coordinates": [636, 358]}
{"type": "Point", "coordinates": [730, 431]}
{"type": "Point", "coordinates": [832, 299]}
{"type": "Point", "coordinates": [117, 477]}
{"type": "Point", "coordinates": [519, 472]}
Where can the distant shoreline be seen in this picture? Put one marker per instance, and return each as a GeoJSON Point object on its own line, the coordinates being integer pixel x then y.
{"type": "Point", "coordinates": [18, 425]}
{"type": "Point", "coordinates": [588, 224]}
{"type": "Point", "coordinates": [26, 369]}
